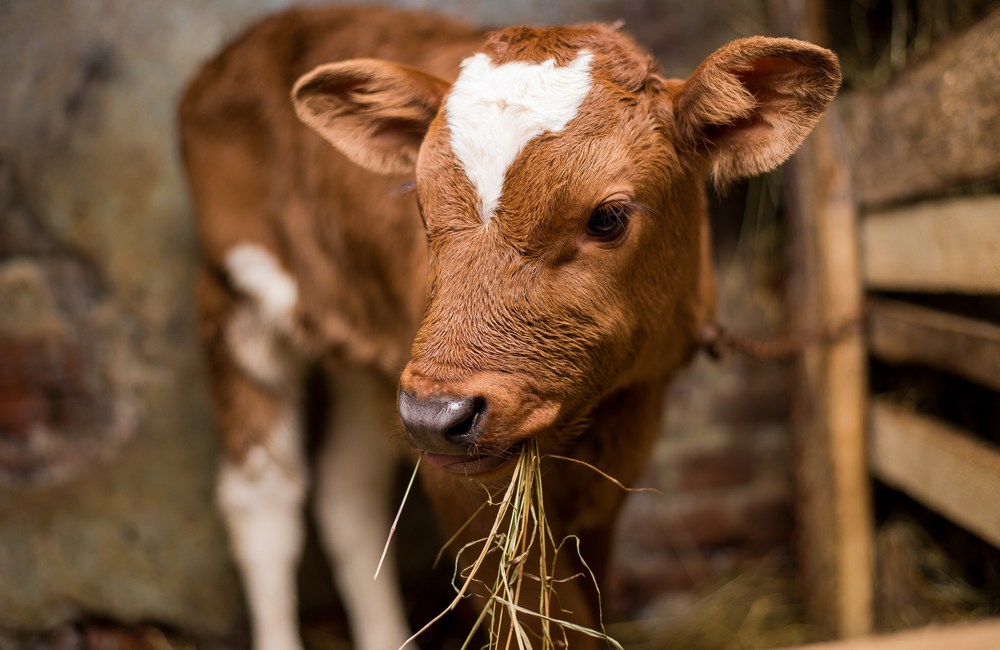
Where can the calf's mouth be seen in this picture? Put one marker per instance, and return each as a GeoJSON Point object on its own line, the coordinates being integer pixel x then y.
{"type": "Point", "coordinates": [474, 463]}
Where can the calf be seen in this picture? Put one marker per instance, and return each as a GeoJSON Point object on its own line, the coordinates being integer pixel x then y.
{"type": "Point", "coordinates": [544, 281]}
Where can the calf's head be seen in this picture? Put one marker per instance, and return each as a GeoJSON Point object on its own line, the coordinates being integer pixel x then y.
{"type": "Point", "coordinates": [560, 180]}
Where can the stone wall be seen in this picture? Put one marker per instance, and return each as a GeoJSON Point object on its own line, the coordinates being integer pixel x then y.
{"type": "Point", "coordinates": [107, 451]}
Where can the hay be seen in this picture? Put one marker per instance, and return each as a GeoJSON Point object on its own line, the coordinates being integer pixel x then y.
{"type": "Point", "coordinates": [525, 552]}
{"type": "Point", "coordinates": [753, 610]}
{"type": "Point", "coordinates": [917, 582]}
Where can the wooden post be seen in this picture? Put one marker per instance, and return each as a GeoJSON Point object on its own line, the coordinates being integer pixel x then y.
{"type": "Point", "coordinates": [833, 488]}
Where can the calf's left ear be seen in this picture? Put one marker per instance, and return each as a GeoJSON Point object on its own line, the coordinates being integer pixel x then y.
{"type": "Point", "coordinates": [749, 105]}
{"type": "Point", "coordinates": [375, 112]}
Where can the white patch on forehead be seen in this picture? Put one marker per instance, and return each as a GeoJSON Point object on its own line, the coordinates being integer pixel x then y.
{"type": "Point", "coordinates": [494, 111]}
{"type": "Point", "coordinates": [258, 273]}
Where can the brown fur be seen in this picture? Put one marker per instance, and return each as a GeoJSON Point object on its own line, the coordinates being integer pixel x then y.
{"type": "Point", "coordinates": [569, 340]}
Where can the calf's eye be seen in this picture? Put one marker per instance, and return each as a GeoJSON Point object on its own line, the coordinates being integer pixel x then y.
{"type": "Point", "coordinates": [607, 222]}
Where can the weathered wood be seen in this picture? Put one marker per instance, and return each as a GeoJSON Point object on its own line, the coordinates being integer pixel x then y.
{"type": "Point", "coordinates": [944, 468]}
{"type": "Point", "coordinates": [935, 126]}
{"type": "Point", "coordinates": [982, 635]}
{"type": "Point", "coordinates": [904, 333]}
{"type": "Point", "coordinates": [951, 245]}
{"type": "Point", "coordinates": [833, 500]}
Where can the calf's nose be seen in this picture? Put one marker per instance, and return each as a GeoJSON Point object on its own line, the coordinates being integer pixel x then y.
{"type": "Point", "coordinates": [441, 425]}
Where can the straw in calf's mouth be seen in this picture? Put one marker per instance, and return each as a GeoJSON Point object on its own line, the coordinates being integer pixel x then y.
{"type": "Point", "coordinates": [519, 536]}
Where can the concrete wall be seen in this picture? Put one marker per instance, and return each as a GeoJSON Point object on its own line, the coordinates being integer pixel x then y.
{"type": "Point", "coordinates": [106, 447]}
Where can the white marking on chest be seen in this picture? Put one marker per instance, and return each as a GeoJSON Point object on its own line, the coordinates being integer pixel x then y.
{"type": "Point", "coordinates": [258, 273]}
{"type": "Point", "coordinates": [494, 111]}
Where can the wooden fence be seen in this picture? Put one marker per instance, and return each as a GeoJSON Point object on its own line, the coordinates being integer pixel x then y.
{"type": "Point", "coordinates": [894, 200]}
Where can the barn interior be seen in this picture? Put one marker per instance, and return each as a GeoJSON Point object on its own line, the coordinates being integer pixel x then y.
{"type": "Point", "coordinates": [832, 475]}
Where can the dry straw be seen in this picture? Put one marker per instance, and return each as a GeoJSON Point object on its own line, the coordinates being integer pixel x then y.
{"type": "Point", "coordinates": [522, 547]}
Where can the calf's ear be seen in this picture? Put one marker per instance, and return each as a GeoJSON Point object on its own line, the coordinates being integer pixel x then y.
{"type": "Point", "coordinates": [375, 112]}
{"type": "Point", "coordinates": [749, 105]}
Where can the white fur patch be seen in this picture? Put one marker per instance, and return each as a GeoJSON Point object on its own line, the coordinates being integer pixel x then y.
{"type": "Point", "coordinates": [272, 475]}
{"type": "Point", "coordinates": [494, 111]}
{"type": "Point", "coordinates": [261, 503]}
{"type": "Point", "coordinates": [256, 347]}
{"type": "Point", "coordinates": [258, 273]}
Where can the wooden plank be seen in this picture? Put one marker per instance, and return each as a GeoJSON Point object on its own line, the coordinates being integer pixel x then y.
{"type": "Point", "coordinates": [941, 246]}
{"type": "Point", "coordinates": [981, 635]}
{"type": "Point", "coordinates": [904, 333]}
{"type": "Point", "coordinates": [933, 127]}
{"type": "Point", "coordinates": [943, 467]}
{"type": "Point", "coordinates": [833, 501]}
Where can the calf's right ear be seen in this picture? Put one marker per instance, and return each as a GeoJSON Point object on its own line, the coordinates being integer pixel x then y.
{"type": "Point", "coordinates": [749, 105]}
{"type": "Point", "coordinates": [375, 112]}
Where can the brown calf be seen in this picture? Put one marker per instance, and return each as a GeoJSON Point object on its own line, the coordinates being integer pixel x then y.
{"type": "Point", "coordinates": [545, 280]}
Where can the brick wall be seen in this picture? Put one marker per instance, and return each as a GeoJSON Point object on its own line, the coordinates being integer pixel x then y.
{"type": "Point", "coordinates": [723, 465]}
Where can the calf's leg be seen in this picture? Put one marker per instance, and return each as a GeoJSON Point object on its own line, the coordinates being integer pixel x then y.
{"type": "Point", "coordinates": [354, 480]}
{"type": "Point", "coordinates": [262, 478]}
{"type": "Point", "coordinates": [260, 498]}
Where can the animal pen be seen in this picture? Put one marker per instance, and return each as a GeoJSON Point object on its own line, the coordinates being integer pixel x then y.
{"type": "Point", "coordinates": [897, 226]}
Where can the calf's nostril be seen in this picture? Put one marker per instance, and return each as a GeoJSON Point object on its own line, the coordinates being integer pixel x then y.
{"type": "Point", "coordinates": [444, 425]}
{"type": "Point", "coordinates": [465, 413]}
